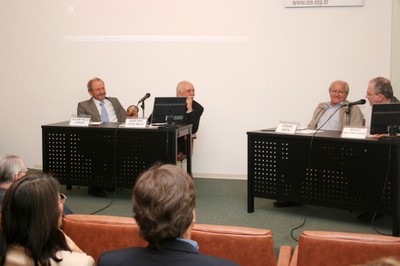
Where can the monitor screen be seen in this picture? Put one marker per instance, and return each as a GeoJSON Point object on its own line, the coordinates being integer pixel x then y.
{"type": "Point", "coordinates": [169, 110]}
{"type": "Point", "coordinates": [385, 118]}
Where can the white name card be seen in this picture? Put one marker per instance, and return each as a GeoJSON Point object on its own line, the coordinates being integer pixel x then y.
{"type": "Point", "coordinates": [286, 128]}
{"type": "Point", "coordinates": [80, 121]}
{"type": "Point", "coordinates": [354, 132]}
{"type": "Point", "coordinates": [136, 122]}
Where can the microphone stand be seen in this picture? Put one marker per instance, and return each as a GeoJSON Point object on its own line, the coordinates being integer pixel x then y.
{"type": "Point", "coordinates": [142, 106]}
{"type": "Point", "coordinates": [348, 114]}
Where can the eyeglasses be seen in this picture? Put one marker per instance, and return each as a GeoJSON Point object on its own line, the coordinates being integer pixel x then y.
{"type": "Point", "coordinates": [337, 91]}
{"type": "Point", "coordinates": [370, 95]}
{"type": "Point", "coordinates": [62, 199]}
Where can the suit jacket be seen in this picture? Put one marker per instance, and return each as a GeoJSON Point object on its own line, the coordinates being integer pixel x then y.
{"type": "Point", "coordinates": [89, 108]}
{"type": "Point", "coordinates": [194, 116]}
{"type": "Point", "coordinates": [354, 117]}
{"type": "Point", "coordinates": [16, 256]}
{"type": "Point", "coordinates": [174, 253]}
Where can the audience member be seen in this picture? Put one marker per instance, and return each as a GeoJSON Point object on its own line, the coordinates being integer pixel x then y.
{"type": "Point", "coordinates": [102, 109]}
{"type": "Point", "coordinates": [30, 225]}
{"type": "Point", "coordinates": [164, 207]}
{"type": "Point", "coordinates": [193, 113]}
{"type": "Point", "coordinates": [12, 168]}
{"type": "Point", "coordinates": [327, 117]}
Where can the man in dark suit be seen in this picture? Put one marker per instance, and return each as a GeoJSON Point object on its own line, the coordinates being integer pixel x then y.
{"type": "Point", "coordinates": [163, 200]}
{"type": "Point", "coordinates": [194, 110]}
{"type": "Point", "coordinates": [102, 109]}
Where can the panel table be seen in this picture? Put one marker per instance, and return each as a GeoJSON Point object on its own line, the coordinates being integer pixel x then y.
{"type": "Point", "coordinates": [109, 155]}
{"type": "Point", "coordinates": [325, 169]}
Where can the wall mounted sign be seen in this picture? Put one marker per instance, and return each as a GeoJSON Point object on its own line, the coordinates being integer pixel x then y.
{"type": "Point", "coordinates": [322, 3]}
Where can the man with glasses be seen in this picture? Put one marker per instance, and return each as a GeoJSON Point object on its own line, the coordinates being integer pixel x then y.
{"type": "Point", "coordinates": [327, 116]}
{"type": "Point", "coordinates": [379, 91]}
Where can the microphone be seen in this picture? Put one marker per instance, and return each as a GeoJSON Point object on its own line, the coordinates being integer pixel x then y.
{"type": "Point", "coordinates": [362, 101]}
{"type": "Point", "coordinates": [148, 95]}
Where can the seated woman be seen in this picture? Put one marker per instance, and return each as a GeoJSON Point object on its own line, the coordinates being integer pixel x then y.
{"type": "Point", "coordinates": [30, 225]}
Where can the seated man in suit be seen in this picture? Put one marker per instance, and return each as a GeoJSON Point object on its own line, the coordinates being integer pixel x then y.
{"type": "Point", "coordinates": [331, 115]}
{"type": "Point", "coordinates": [193, 112]}
{"type": "Point", "coordinates": [327, 116]}
{"type": "Point", "coordinates": [379, 91]}
{"type": "Point", "coordinates": [102, 109]}
{"type": "Point", "coordinates": [164, 199]}
{"type": "Point", "coordinates": [114, 112]}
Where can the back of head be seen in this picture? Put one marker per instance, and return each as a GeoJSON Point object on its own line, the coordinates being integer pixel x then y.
{"type": "Point", "coordinates": [10, 166]}
{"type": "Point", "coordinates": [163, 203]}
{"type": "Point", "coordinates": [383, 86]}
{"type": "Point", "coordinates": [30, 218]}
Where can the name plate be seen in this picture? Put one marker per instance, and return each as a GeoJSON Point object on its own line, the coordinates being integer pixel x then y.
{"type": "Point", "coordinates": [136, 122]}
{"type": "Point", "coordinates": [80, 121]}
{"type": "Point", "coordinates": [354, 132]}
{"type": "Point", "coordinates": [286, 128]}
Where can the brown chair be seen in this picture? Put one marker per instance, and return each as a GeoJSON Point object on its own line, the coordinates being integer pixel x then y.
{"type": "Point", "coordinates": [95, 234]}
{"type": "Point", "coordinates": [244, 245]}
{"type": "Point", "coordinates": [338, 249]}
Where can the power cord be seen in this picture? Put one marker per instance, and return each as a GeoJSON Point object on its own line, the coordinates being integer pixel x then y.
{"type": "Point", "coordinates": [309, 171]}
{"type": "Point", "coordinates": [383, 190]}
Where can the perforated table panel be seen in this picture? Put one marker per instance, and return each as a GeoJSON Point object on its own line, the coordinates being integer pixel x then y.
{"type": "Point", "coordinates": [107, 155]}
{"type": "Point", "coordinates": [324, 170]}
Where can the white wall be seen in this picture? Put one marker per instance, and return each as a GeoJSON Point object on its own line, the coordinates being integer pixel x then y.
{"type": "Point", "coordinates": [395, 64]}
{"type": "Point", "coordinates": [253, 63]}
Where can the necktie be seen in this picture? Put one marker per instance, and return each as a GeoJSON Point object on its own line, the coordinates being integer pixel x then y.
{"type": "Point", "coordinates": [104, 114]}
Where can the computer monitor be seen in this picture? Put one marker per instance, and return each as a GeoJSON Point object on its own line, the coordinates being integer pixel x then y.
{"type": "Point", "coordinates": [169, 110]}
{"type": "Point", "coordinates": [385, 119]}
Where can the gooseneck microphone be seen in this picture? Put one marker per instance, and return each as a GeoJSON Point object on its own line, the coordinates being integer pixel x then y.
{"type": "Point", "coordinates": [144, 97]}
{"type": "Point", "coordinates": [362, 101]}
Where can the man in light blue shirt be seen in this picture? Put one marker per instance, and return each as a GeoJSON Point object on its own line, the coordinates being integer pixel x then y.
{"type": "Point", "coordinates": [332, 115]}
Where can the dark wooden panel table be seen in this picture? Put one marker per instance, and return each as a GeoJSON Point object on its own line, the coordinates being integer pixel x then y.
{"type": "Point", "coordinates": [109, 155]}
{"type": "Point", "coordinates": [325, 170]}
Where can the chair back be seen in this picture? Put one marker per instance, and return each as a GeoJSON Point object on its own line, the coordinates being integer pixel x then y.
{"type": "Point", "coordinates": [95, 234]}
{"type": "Point", "coordinates": [340, 248]}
